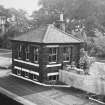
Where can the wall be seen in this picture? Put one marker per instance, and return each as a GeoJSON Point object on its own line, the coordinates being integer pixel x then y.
{"type": "Point", "coordinates": [44, 66]}
{"type": "Point", "coordinates": [22, 63]}
{"type": "Point", "coordinates": [44, 54]}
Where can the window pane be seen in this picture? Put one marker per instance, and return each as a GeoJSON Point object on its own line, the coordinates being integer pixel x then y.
{"type": "Point", "coordinates": [35, 58]}
{"type": "Point", "coordinates": [50, 59]}
{"type": "Point", "coordinates": [36, 54]}
{"type": "Point", "coordinates": [18, 72]}
{"type": "Point", "coordinates": [67, 58]}
{"type": "Point", "coordinates": [27, 48]}
{"type": "Point", "coordinates": [19, 49]}
{"type": "Point", "coordinates": [54, 50]}
{"type": "Point", "coordinates": [26, 74]}
{"type": "Point", "coordinates": [54, 77]}
{"type": "Point", "coordinates": [27, 51]}
{"type": "Point", "coordinates": [50, 77]}
{"type": "Point", "coordinates": [52, 54]}
{"type": "Point", "coordinates": [54, 58]}
{"type": "Point", "coordinates": [64, 50]}
{"type": "Point", "coordinates": [50, 50]}
{"type": "Point", "coordinates": [66, 53]}
{"type": "Point", "coordinates": [69, 50]}
{"type": "Point", "coordinates": [35, 77]}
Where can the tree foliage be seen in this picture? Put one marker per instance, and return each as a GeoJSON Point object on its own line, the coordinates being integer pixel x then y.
{"type": "Point", "coordinates": [16, 22]}
{"type": "Point", "coordinates": [86, 14]}
{"type": "Point", "coordinates": [86, 17]}
{"type": "Point", "coordinates": [92, 11]}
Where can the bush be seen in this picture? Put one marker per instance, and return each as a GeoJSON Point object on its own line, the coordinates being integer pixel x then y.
{"type": "Point", "coordinates": [96, 46]}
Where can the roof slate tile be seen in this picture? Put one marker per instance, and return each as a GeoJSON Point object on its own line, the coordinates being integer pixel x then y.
{"type": "Point", "coordinates": [48, 34]}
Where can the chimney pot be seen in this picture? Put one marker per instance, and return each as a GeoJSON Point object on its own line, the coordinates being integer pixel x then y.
{"type": "Point", "coordinates": [61, 17]}
{"type": "Point", "coordinates": [62, 24]}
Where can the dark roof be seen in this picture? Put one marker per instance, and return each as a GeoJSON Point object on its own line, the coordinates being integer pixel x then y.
{"type": "Point", "coordinates": [48, 34]}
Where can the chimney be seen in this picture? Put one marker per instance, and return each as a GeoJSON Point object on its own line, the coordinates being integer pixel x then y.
{"type": "Point", "coordinates": [62, 24]}
{"type": "Point", "coordinates": [61, 17]}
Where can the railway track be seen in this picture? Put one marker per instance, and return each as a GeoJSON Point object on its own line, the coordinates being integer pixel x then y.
{"type": "Point", "coordinates": [96, 100]}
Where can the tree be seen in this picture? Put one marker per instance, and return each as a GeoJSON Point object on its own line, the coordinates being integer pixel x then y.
{"type": "Point", "coordinates": [20, 22]}
{"type": "Point", "coordinates": [91, 11]}
{"type": "Point", "coordinates": [100, 46]}
{"type": "Point", "coordinates": [16, 23]}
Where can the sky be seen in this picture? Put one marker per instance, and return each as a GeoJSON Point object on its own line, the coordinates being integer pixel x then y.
{"type": "Point", "coordinates": [28, 5]}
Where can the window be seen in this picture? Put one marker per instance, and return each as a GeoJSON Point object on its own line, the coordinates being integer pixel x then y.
{"type": "Point", "coordinates": [66, 53]}
{"type": "Point", "coordinates": [18, 72]}
{"type": "Point", "coordinates": [19, 51]}
{"type": "Point", "coordinates": [36, 54]}
{"type": "Point", "coordinates": [54, 77]}
{"type": "Point", "coordinates": [26, 74]}
{"type": "Point", "coordinates": [27, 51]}
{"type": "Point", "coordinates": [52, 54]}
{"type": "Point", "coordinates": [35, 77]}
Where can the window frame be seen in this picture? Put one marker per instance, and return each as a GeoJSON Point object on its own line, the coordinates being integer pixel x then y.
{"type": "Point", "coordinates": [52, 54]}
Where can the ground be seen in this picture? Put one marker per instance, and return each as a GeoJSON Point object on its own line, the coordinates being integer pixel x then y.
{"type": "Point", "coordinates": [5, 53]}
{"type": "Point", "coordinates": [41, 95]}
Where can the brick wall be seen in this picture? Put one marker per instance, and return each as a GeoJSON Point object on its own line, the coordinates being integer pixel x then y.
{"type": "Point", "coordinates": [44, 58]}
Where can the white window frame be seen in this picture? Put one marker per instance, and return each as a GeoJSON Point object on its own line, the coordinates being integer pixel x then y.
{"type": "Point", "coordinates": [66, 54]}
{"type": "Point", "coordinates": [36, 53]}
{"type": "Point", "coordinates": [27, 52]}
{"type": "Point", "coordinates": [52, 54]}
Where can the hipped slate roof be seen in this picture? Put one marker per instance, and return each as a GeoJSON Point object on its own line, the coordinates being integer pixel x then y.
{"type": "Point", "coordinates": [48, 34]}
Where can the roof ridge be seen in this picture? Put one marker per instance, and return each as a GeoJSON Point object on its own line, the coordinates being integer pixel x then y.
{"type": "Point", "coordinates": [46, 33]}
{"type": "Point", "coordinates": [41, 27]}
{"type": "Point", "coordinates": [68, 34]}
